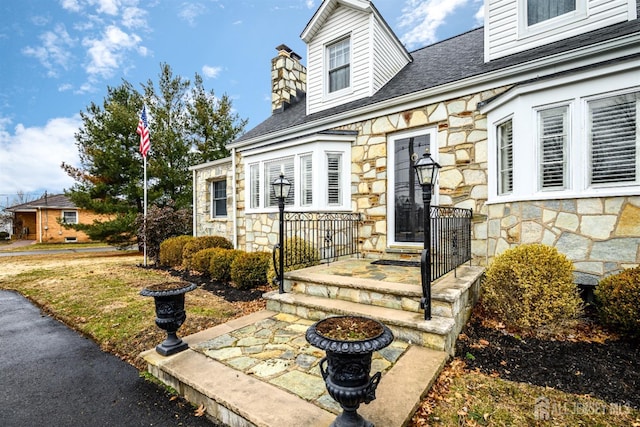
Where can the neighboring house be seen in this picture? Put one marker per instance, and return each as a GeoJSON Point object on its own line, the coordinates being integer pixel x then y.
{"type": "Point", "coordinates": [41, 219]}
{"type": "Point", "coordinates": [534, 119]}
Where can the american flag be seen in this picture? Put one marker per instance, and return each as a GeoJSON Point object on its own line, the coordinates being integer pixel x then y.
{"type": "Point", "coordinates": [143, 131]}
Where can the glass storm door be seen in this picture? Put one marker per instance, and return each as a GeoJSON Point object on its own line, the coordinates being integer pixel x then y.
{"type": "Point", "coordinates": [408, 209]}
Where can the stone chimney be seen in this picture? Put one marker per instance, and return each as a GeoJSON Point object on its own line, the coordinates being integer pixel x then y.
{"type": "Point", "coordinates": [288, 79]}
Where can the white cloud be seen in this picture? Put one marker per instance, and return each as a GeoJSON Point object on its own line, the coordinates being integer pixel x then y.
{"type": "Point", "coordinates": [190, 11]}
{"type": "Point", "coordinates": [134, 17]}
{"type": "Point", "coordinates": [210, 71]}
{"type": "Point", "coordinates": [71, 5]}
{"type": "Point", "coordinates": [479, 16]}
{"type": "Point", "coordinates": [110, 7]}
{"type": "Point", "coordinates": [107, 54]}
{"type": "Point", "coordinates": [31, 157]}
{"type": "Point", "coordinates": [54, 52]}
{"type": "Point", "coordinates": [423, 18]}
{"type": "Point", "coordinates": [310, 4]}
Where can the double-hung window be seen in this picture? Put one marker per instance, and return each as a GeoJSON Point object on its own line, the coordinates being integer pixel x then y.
{"type": "Point", "coordinates": [614, 139]}
{"type": "Point", "coordinates": [553, 135]}
{"type": "Point", "coordinates": [334, 179]}
{"type": "Point", "coordinates": [219, 199]}
{"type": "Point", "coordinates": [273, 169]}
{"type": "Point", "coordinates": [543, 10]}
{"type": "Point", "coordinates": [505, 157]}
{"type": "Point", "coordinates": [316, 171]}
{"type": "Point", "coordinates": [339, 67]}
{"type": "Point", "coordinates": [69, 217]}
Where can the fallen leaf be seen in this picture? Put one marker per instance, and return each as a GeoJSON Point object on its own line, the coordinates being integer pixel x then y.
{"type": "Point", "coordinates": [200, 411]}
{"type": "Point", "coordinates": [484, 342]}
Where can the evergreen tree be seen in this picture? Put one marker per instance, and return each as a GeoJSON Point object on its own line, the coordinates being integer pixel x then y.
{"type": "Point", "coordinates": [188, 125]}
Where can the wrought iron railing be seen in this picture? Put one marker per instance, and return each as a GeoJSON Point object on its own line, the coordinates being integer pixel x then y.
{"type": "Point", "coordinates": [314, 236]}
{"type": "Point", "coordinates": [450, 239]}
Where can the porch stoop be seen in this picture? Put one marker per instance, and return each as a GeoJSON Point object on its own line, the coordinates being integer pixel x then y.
{"type": "Point", "coordinates": [317, 292]}
{"type": "Point", "coordinates": [259, 371]}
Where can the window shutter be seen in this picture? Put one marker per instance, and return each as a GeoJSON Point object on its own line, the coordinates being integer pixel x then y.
{"type": "Point", "coordinates": [614, 139]}
{"type": "Point", "coordinates": [505, 157]}
{"type": "Point", "coordinates": [553, 142]}
{"type": "Point", "coordinates": [333, 179]}
{"type": "Point", "coordinates": [306, 168]}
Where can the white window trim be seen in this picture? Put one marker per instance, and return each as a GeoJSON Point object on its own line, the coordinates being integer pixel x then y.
{"type": "Point", "coordinates": [554, 24]}
{"type": "Point", "coordinates": [318, 149]}
{"type": "Point", "coordinates": [587, 152]}
{"type": "Point", "coordinates": [77, 221]}
{"type": "Point", "coordinates": [325, 75]}
{"type": "Point", "coordinates": [578, 156]}
{"type": "Point", "coordinates": [568, 148]}
{"type": "Point", "coordinates": [391, 214]}
{"type": "Point", "coordinates": [212, 214]}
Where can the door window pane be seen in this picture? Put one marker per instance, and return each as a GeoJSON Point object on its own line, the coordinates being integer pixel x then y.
{"type": "Point", "coordinates": [409, 209]}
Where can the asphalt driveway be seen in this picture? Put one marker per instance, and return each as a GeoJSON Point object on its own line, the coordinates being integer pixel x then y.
{"type": "Point", "coordinates": [50, 375]}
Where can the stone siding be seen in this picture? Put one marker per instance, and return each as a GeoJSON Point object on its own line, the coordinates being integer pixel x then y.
{"type": "Point", "coordinates": [205, 224]}
{"type": "Point", "coordinates": [600, 235]}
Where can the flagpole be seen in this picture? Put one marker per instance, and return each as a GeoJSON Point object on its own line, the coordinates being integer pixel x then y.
{"type": "Point", "coordinates": [144, 226]}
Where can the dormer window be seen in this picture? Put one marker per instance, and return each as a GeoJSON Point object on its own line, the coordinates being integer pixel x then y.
{"type": "Point", "coordinates": [541, 16]}
{"type": "Point", "coordinates": [543, 10]}
{"type": "Point", "coordinates": [339, 65]}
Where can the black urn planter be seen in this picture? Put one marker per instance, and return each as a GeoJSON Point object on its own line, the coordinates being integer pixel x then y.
{"type": "Point", "coordinates": [349, 343]}
{"type": "Point", "coordinates": [170, 314]}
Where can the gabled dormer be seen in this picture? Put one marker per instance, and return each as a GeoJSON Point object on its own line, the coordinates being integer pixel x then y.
{"type": "Point", "coordinates": [513, 26]}
{"type": "Point", "coordinates": [351, 53]}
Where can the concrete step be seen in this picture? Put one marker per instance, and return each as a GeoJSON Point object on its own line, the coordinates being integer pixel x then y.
{"type": "Point", "coordinates": [449, 294]}
{"type": "Point", "coordinates": [231, 396]}
{"type": "Point", "coordinates": [439, 333]}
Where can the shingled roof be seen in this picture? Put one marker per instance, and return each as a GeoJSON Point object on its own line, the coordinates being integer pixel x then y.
{"type": "Point", "coordinates": [445, 62]}
{"type": "Point", "coordinates": [56, 201]}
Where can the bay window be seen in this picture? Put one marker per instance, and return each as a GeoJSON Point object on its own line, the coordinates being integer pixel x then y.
{"type": "Point", "coordinates": [553, 132]}
{"type": "Point", "coordinates": [613, 138]}
{"type": "Point", "coordinates": [315, 170]}
{"type": "Point", "coordinates": [505, 157]}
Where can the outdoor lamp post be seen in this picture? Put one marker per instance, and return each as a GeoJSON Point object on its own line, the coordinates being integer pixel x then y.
{"type": "Point", "coordinates": [427, 171]}
{"type": "Point", "coordinates": [281, 187]}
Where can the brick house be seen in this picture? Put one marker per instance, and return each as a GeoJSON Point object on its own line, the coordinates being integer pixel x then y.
{"type": "Point", "coordinates": [534, 118]}
{"type": "Point", "coordinates": [41, 219]}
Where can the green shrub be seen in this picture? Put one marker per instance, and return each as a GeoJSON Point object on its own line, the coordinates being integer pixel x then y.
{"type": "Point", "coordinates": [200, 260]}
{"type": "Point", "coordinates": [200, 243]}
{"type": "Point", "coordinates": [298, 249]}
{"type": "Point", "coordinates": [531, 288]}
{"type": "Point", "coordinates": [171, 250]}
{"type": "Point", "coordinates": [249, 269]}
{"type": "Point", "coordinates": [618, 301]}
{"type": "Point", "coordinates": [220, 263]}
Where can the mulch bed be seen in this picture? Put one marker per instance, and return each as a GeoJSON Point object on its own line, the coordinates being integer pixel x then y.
{"type": "Point", "coordinates": [220, 289]}
{"type": "Point", "coordinates": [609, 371]}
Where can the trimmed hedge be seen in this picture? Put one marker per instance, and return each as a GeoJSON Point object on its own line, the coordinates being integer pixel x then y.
{"type": "Point", "coordinates": [530, 287]}
{"type": "Point", "coordinates": [249, 269]}
{"type": "Point", "coordinates": [171, 250]}
{"type": "Point", "coordinates": [199, 243]}
{"type": "Point", "coordinates": [618, 301]}
{"type": "Point", "coordinates": [220, 263]}
{"type": "Point", "coordinates": [295, 248]}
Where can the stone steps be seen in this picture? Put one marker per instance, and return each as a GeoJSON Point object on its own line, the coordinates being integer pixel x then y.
{"type": "Point", "coordinates": [313, 294]}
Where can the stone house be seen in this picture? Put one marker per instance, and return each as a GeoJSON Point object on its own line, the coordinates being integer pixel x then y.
{"type": "Point", "coordinates": [42, 219]}
{"type": "Point", "coordinates": [534, 119]}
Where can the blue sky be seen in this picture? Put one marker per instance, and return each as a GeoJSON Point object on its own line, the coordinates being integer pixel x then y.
{"type": "Point", "coordinates": [58, 56]}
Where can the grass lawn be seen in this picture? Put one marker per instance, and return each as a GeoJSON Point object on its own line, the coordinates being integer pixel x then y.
{"type": "Point", "coordinates": [98, 295]}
